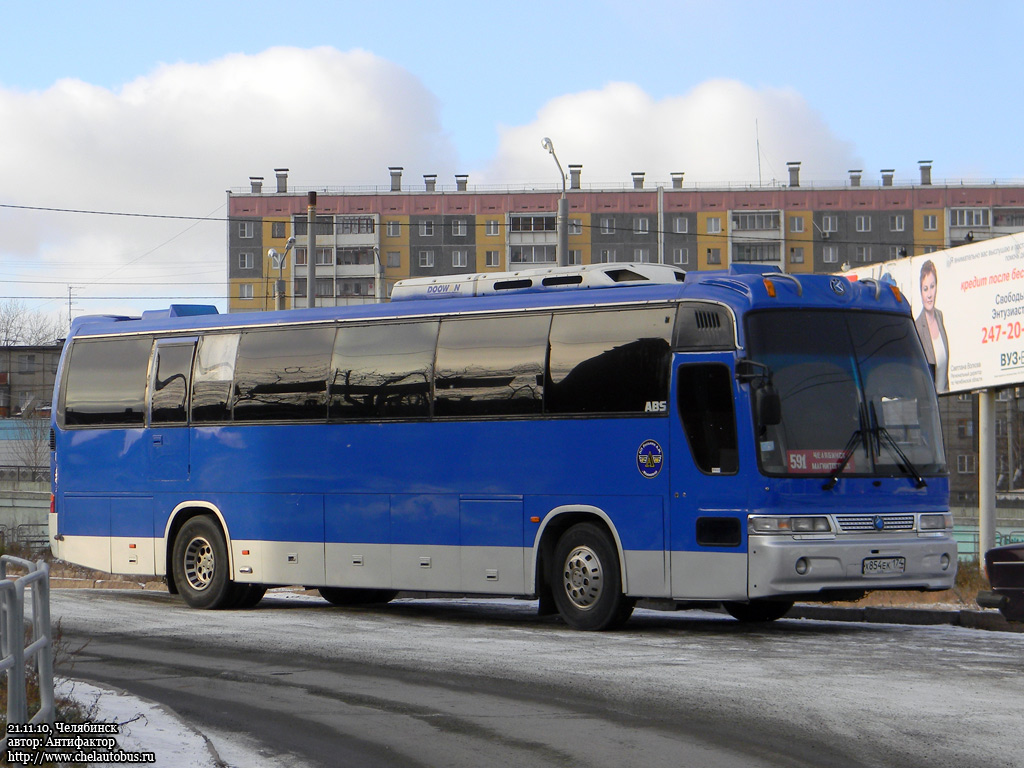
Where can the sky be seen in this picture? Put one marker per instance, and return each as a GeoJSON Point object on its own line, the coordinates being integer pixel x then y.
{"type": "Point", "coordinates": [123, 125]}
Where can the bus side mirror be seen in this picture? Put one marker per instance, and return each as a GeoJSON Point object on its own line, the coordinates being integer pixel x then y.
{"type": "Point", "coordinates": [769, 406]}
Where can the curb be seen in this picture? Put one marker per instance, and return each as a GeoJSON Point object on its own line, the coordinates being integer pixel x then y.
{"type": "Point", "coordinates": [972, 619]}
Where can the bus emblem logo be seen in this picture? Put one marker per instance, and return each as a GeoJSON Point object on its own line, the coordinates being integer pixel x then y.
{"type": "Point", "coordinates": [838, 286]}
{"type": "Point", "coordinates": [650, 459]}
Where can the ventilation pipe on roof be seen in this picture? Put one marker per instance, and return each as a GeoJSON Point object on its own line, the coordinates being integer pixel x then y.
{"type": "Point", "coordinates": [677, 180]}
{"type": "Point", "coordinates": [430, 182]}
{"type": "Point", "coordinates": [257, 184]}
{"type": "Point", "coordinates": [282, 179]}
{"type": "Point", "coordinates": [794, 173]}
{"type": "Point", "coordinates": [396, 178]}
{"type": "Point", "coordinates": [926, 172]}
{"type": "Point", "coordinates": [855, 175]}
{"type": "Point", "coordinates": [638, 179]}
{"type": "Point", "coordinates": [574, 176]}
{"type": "Point", "coordinates": [887, 174]}
{"type": "Point", "coordinates": [460, 181]}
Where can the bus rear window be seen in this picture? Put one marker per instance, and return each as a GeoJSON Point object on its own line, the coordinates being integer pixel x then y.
{"type": "Point", "coordinates": [106, 383]}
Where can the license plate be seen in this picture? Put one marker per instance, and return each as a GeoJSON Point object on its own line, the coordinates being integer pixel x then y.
{"type": "Point", "coordinates": [883, 566]}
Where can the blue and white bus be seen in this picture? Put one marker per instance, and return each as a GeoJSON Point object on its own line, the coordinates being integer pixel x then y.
{"type": "Point", "coordinates": [583, 436]}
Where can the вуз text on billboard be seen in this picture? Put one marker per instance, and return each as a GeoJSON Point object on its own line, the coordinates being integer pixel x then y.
{"type": "Point", "coordinates": [968, 305]}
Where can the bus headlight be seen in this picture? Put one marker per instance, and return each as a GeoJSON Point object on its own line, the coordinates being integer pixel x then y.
{"type": "Point", "coordinates": [936, 522]}
{"type": "Point", "coordinates": [789, 525]}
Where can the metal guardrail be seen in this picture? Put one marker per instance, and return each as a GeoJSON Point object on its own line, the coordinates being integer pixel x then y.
{"type": "Point", "coordinates": [13, 648]}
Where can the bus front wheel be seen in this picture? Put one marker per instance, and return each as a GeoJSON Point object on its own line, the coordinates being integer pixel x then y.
{"type": "Point", "coordinates": [586, 582]}
{"type": "Point", "coordinates": [758, 610]}
{"type": "Point", "coordinates": [201, 565]}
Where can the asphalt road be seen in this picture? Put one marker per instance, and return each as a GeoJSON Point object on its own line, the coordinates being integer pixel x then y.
{"type": "Point", "coordinates": [481, 682]}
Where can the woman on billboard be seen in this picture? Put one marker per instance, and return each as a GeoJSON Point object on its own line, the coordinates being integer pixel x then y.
{"type": "Point", "coordinates": [931, 329]}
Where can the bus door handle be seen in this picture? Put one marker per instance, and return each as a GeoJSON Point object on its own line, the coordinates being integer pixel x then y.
{"type": "Point", "coordinates": [158, 439]}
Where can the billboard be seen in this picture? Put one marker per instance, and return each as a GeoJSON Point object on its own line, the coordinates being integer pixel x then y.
{"type": "Point", "coordinates": [968, 306]}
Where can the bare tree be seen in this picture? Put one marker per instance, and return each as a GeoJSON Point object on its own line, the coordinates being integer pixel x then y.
{"type": "Point", "coordinates": [31, 446]}
{"type": "Point", "coordinates": [21, 325]}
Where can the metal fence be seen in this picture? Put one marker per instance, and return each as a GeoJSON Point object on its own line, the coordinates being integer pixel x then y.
{"type": "Point", "coordinates": [17, 648]}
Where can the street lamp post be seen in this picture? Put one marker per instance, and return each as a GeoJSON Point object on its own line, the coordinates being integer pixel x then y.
{"type": "Point", "coordinates": [562, 219]}
{"type": "Point", "coordinates": [279, 284]}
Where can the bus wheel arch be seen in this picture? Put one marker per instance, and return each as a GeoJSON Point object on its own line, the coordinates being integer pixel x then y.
{"type": "Point", "coordinates": [580, 571]}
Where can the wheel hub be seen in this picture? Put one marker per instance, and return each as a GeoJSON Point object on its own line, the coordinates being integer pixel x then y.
{"type": "Point", "coordinates": [583, 577]}
{"type": "Point", "coordinates": [200, 563]}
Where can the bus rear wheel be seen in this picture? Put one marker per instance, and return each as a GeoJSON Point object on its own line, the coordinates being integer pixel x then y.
{"type": "Point", "coordinates": [356, 596]}
{"type": "Point", "coordinates": [586, 581]}
{"type": "Point", "coordinates": [758, 610]}
{"type": "Point", "coordinates": [201, 565]}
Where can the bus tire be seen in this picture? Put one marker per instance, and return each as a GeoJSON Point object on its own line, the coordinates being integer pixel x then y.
{"type": "Point", "coordinates": [248, 595]}
{"type": "Point", "coordinates": [356, 596]}
{"type": "Point", "coordinates": [201, 565]}
{"type": "Point", "coordinates": [758, 610]}
{"type": "Point", "coordinates": [586, 581]}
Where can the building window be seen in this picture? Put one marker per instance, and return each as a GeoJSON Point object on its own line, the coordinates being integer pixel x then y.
{"type": "Point", "coordinates": [714, 226]}
{"type": "Point", "coordinates": [245, 261]}
{"type": "Point", "coordinates": [459, 228]}
{"type": "Point", "coordinates": [607, 225]}
{"type": "Point", "coordinates": [246, 229]}
{"type": "Point", "coordinates": [533, 223]}
{"type": "Point", "coordinates": [325, 287]}
{"type": "Point", "coordinates": [460, 258]}
{"type": "Point", "coordinates": [966, 464]}
{"type": "Point", "coordinates": [830, 254]}
{"type": "Point", "coordinates": [426, 258]}
{"type": "Point", "coordinates": [492, 259]}
{"type": "Point", "coordinates": [324, 257]}
{"type": "Point", "coordinates": [300, 257]}
{"type": "Point", "coordinates": [641, 226]}
{"type": "Point", "coordinates": [492, 228]}
{"type": "Point", "coordinates": [394, 259]}
{"type": "Point", "coordinates": [681, 225]}
{"type": "Point", "coordinates": [426, 229]}
{"type": "Point", "coordinates": [278, 229]}
{"type": "Point", "coordinates": [532, 254]}
{"type": "Point", "coordinates": [642, 255]}
{"type": "Point", "coordinates": [930, 249]}
{"type": "Point", "coordinates": [575, 226]}
{"type": "Point", "coordinates": [930, 223]}
{"type": "Point", "coordinates": [356, 225]}
{"type": "Point", "coordinates": [394, 229]}
{"type": "Point", "coordinates": [756, 221]}
{"type": "Point", "coordinates": [830, 223]}
{"type": "Point", "coordinates": [964, 428]}
{"type": "Point", "coordinates": [796, 255]}
{"type": "Point", "coordinates": [714, 255]}
{"type": "Point", "coordinates": [681, 256]}
{"type": "Point", "coordinates": [606, 256]}
{"type": "Point", "coordinates": [897, 222]}
{"type": "Point", "coordinates": [575, 256]}
{"type": "Point", "coordinates": [796, 224]}
{"type": "Point", "coordinates": [245, 291]}
{"type": "Point", "coordinates": [862, 223]}
{"type": "Point", "coordinates": [27, 363]}
{"type": "Point", "coordinates": [299, 288]}
{"type": "Point", "coordinates": [968, 217]}
{"type": "Point", "coordinates": [862, 253]}
{"type": "Point", "coordinates": [757, 252]}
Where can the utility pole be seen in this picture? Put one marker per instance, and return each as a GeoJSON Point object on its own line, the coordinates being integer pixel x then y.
{"type": "Point", "coordinates": [562, 217]}
{"type": "Point", "coordinates": [311, 252]}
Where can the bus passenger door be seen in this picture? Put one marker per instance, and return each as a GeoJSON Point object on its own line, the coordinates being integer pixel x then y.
{"type": "Point", "coordinates": [168, 434]}
{"type": "Point", "coordinates": [709, 494]}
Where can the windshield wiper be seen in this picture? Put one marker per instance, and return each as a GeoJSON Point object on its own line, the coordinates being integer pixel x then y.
{"type": "Point", "coordinates": [904, 463]}
{"type": "Point", "coordinates": [848, 451]}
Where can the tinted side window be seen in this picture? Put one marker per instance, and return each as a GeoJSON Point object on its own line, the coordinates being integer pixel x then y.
{"type": "Point", "coordinates": [106, 382]}
{"type": "Point", "coordinates": [382, 371]}
{"type": "Point", "coordinates": [172, 364]}
{"type": "Point", "coordinates": [609, 361]}
{"type": "Point", "coordinates": [709, 416]}
{"type": "Point", "coordinates": [211, 381]}
{"type": "Point", "coordinates": [282, 374]}
{"type": "Point", "coordinates": [491, 366]}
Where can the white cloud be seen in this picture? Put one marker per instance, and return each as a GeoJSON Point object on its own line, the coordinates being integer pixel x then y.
{"type": "Point", "coordinates": [710, 134]}
{"type": "Point", "coordinates": [173, 141]}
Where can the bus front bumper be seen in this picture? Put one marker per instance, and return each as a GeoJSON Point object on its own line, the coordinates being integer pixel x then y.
{"type": "Point", "coordinates": [781, 566]}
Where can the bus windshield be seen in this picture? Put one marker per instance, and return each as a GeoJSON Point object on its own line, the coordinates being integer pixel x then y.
{"type": "Point", "coordinates": [856, 393]}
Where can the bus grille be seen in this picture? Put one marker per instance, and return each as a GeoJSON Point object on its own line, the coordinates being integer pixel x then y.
{"type": "Point", "coordinates": [868, 523]}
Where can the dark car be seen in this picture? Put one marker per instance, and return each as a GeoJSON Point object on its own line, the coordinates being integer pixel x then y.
{"type": "Point", "coordinates": [1005, 567]}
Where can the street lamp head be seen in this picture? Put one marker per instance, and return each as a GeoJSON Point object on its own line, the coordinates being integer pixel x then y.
{"type": "Point", "coordinates": [548, 145]}
{"type": "Point", "coordinates": [273, 255]}
{"type": "Point", "coordinates": [290, 244]}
